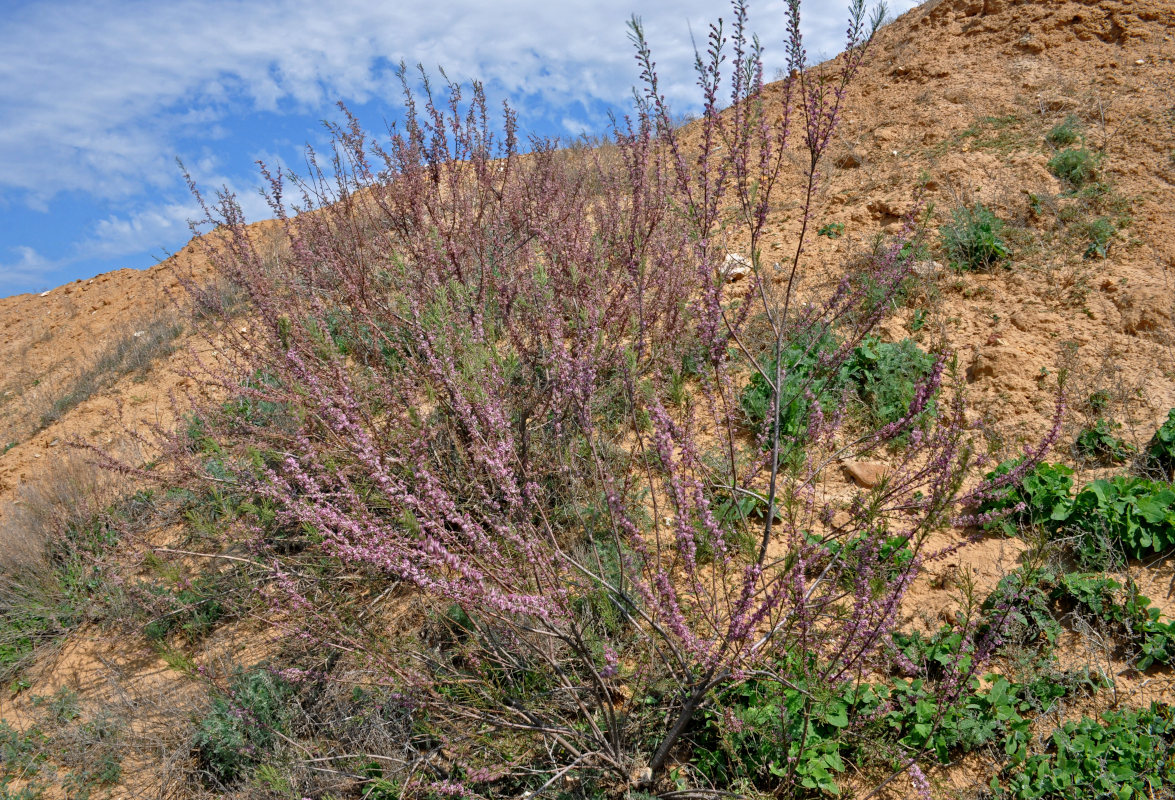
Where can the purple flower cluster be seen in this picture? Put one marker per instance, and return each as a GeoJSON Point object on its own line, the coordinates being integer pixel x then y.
{"type": "Point", "coordinates": [473, 350]}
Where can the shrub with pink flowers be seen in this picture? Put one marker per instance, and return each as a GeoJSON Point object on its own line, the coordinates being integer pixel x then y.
{"type": "Point", "coordinates": [504, 384]}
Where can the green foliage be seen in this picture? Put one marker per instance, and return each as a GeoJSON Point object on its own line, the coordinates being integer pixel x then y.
{"type": "Point", "coordinates": [894, 553]}
{"type": "Point", "coordinates": [881, 376]}
{"type": "Point", "coordinates": [760, 730]}
{"type": "Point", "coordinates": [63, 705]}
{"type": "Point", "coordinates": [932, 655]}
{"type": "Point", "coordinates": [1026, 594]}
{"type": "Point", "coordinates": [1042, 498]}
{"type": "Point", "coordinates": [1099, 401]}
{"type": "Point", "coordinates": [918, 321]}
{"type": "Point", "coordinates": [21, 754]}
{"type": "Point", "coordinates": [984, 715]}
{"type": "Point", "coordinates": [34, 612]}
{"type": "Point", "coordinates": [40, 603]}
{"type": "Point", "coordinates": [1076, 165]}
{"type": "Point", "coordinates": [833, 230]}
{"type": "Point", "coordinates": [1099, 233]}
{"type": "Point", "coordinates": [1098, 443]}
{"type": "Point", "coordinates": [1128, 756]}
{"type": "Point", "coordinates": [1129, 515]}
{"type": "Point", "coordinates": [35, 757]}
{"type": "Point", "coordinates": [606, 612]}
{"type": "Point", "coordinates": [1039, 597]}
{"type": "Point", "coordinates": [239, 729]}
{"type": "Point", "coordinates": [197, 608]}
{"type": "Point", "coordinates": [1137, 514]}
{"type": "Point", "coordinates": [885, 376]}
{"type": "Point", "coordinates": [974, 239]}
{"type": "Point", "coordinates": [1064, 133]}
{"type": "Point", "coordinates": [803, 373]}
{"type": "Point", "coordinates": [1160, 450]}
{"type": "Point", "coordinates": [1004, 134]}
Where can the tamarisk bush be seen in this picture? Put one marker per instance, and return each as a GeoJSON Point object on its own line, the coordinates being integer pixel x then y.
{"type": "Point", "coordinates": [509, 378]}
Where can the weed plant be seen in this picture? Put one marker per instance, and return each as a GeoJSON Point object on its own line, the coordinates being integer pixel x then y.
{"type": "Point", "coordinates": [1127, 754]}
{"type": "Point", "coordinates": [1100, 233]}
{"type": "Point", "coordinates": [1123, 515]}
{"type": "Point", "coordinates": [1160, 450]}
{"type": "Point", "coordinates": [1064, 133]}
{"type": "Point", "coordinates": [974, 239]}
{"type": "Point", "coordinates": [1099, 443]}
{"type": "Point", "coordinates": [1077, 166]}
{"type": "Point", "coordinates": [241, 727]}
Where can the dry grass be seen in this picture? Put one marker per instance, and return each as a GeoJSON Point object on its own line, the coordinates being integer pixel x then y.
{"type": "Point", "coordinates": [36, 555]}
{"type": "Point", "coordinates": [36, 398]}
{"type": "Point", "coordinates": [68, 492]}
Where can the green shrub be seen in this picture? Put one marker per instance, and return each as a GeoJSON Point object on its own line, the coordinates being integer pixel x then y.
{"type": "Point", "coordinates": [1128, 755]}
{"type": "Point", "coordinates": [788, 724]}
{"type": "Point", "coordinates": [778, 726]}
{"type": "Point", "coordinates": [238, 731]}
{"type": "Point", "coordinates": [881, 376]}
{"type": "Point", "coordinates": [1137, 514]}
{"type": "Point", "coordinates": [802, 370]}
{"type": "Point", "coordinates": [1097, 442]}
{"type": "Point", "coordinates": [1043, 498]}
{"type": "Point", "coordinates": [973, 240]}
{"type": "Point", "coordinates": [1027, 594]}
{"type": "Point", "coordinates": [886, 375]}
{"type": "Point", "coordinates": [1065, 133]}
{"type": "Point", "coordinates": [1076, 165]}
{"type": "Point", "coordinates": [1099, 233]}
{"type": "Point", "coordinates": [1160, 450]}
{"type": "Point", "coordinates": [1132, 515]}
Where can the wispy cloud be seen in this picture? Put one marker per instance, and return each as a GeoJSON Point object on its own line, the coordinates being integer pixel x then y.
{"type": "Point", "coordinates": [99, 96]}
{"type": "Point", "coordinates": [27, 271]}
{"type": "Point", "coordinates": [97, 93]}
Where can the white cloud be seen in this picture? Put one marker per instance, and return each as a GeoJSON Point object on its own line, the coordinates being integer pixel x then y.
{"type": "Point", "coordinates": [97, 93]}
{"type": "Point", "coordinates": [138, 231]}
{"type": "Point", "coordinates": [27, 271]}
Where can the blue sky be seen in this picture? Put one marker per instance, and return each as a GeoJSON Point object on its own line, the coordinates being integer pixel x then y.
{"type": "Point", "coordinates": [98, 98]}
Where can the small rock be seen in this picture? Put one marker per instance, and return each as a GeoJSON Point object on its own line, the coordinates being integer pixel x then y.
{"type": "Point", "coordinates": [927, 268]}
{"type": "Point", "coordinates": [849, 160]}
{"type": "Point", "coordinates": [55, 442]}
{"type": "Point", "coordinates": [641, 776]}
{"type": "Point", "coordinates": [736, 267]}
{"type": "Point", "coordinates": [1055, 103]}
{"type": "Point", "coordinates": [1030, 44]}
{"type": "Point", "coordinates": [867, 474]}
{"type": "Point", "coordinates": [1140, 61]}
